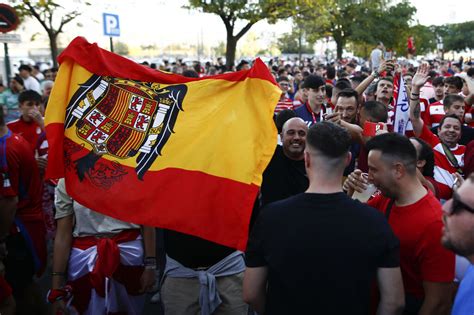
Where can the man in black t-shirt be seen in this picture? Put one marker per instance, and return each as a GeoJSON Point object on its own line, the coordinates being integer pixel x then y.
{"type": "Point", "coordinates": [285, 175]}
{"type": "Point", "coordinates": [318, 252]}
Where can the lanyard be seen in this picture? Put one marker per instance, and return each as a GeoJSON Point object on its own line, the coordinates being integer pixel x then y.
{"type": "Point", "coordinates": [312, 113]}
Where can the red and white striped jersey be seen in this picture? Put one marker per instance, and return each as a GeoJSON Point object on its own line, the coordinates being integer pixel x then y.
{"type": "Point", "coordinates": [434, 114]}
{"type": "Point", "coordinates": [443, 169]}
{"type": "Point", "coordinates": [285, 103]}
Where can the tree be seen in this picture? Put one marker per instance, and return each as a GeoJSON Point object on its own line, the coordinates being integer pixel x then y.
{"type": "Point", "coordinates": [44, 12]}
{"type": "Point", "coordinates": [121, 48]}
{"type": "Point", "coordinates": [457, 37]}
{"type": "Point", "coordinates": [362, 22]}
{"type": "Point", "coordinates": [295, 43]}
{"type": "Point", "coordinates": [250, 12]}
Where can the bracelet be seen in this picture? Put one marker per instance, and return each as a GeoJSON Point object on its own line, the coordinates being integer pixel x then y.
{"type": "Point", "coordinates": [62, 274]}
{"type": "Point", "coordinates": [64, 293]}
{"type": "Point", "coordinates": [150, 263]}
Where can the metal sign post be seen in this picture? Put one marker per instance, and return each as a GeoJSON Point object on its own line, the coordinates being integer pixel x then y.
{"type": "Point", "coordinates": [111, 27]}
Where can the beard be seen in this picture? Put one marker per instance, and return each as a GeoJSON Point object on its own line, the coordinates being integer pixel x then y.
{"type": "Point", "coordinates": [459, 249]}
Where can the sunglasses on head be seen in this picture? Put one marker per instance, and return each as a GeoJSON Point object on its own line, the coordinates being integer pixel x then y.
{"type": "Point", "coordinates": [457, 205]}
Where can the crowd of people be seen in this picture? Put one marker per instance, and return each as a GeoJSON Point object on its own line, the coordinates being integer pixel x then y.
{"type": "Point", "coordinates": [352, 217]}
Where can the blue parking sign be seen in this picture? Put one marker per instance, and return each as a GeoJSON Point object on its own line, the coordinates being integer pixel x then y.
{"type": "Point", "coordinates": [111, 24]}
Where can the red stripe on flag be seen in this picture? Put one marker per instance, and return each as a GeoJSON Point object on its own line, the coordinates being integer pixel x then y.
{"type": "Point", "coordinates": [183, 201]}
{"type": "Point", "coordinates": [55, 137]}
{"type": "Point", "coordinates": [106, 63]}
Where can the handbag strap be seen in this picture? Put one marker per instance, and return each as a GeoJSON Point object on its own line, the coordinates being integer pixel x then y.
{"type": "Point", "coordinates": [452, 159]}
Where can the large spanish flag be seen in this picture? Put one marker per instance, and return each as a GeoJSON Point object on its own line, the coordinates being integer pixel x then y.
{"type": "Point", "coordinates": [160, 149]}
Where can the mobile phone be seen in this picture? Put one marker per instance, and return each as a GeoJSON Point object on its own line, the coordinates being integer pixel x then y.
{"type": "Point", "coordinates": [371, 128]}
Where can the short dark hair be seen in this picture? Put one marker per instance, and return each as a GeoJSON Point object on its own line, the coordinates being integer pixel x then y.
{"type": "Point", "coordinates": [282, 117]}
{"type": "Point", "coordinates": [342, 84]}
{"type": "Point", "coordinates": [25, 67]}
{"type": "Point", "coordinates": [331, 73]}
{"type": "Point", "coordinates": [389, 79]}
{"type": "Point", "coordinates": [376, 110]}
{"type": "Point", "coordinates": [350, 64]}
{"type": "Point", "coordinates": [441, 123]}
{"type": "Point", "coordinates": [19, 79]}
{"type": "Point", "coordinates": [470, 72]}
{"type": "Point", "coordinates": [357, 79]}
{"type": "Point", "coordinates": [283, 78]}
{"type": "Point", "coordinates": [29, 95]}
{"type": "Point", "coordinates": [451, 98]}
{"type": "Point", "coordinates": [190, 74]}
{"type": "Point", "coordinates": [395, 147]}
{"type": "Point", "coordinates": [438, 81]}
{"type": "Point", "coordinates": [426, 154]}
{"type": "Point", "coordinates": [313, 82]}
{"type": "Point", "coordinates": [329, 139]}
{"type": "Point", "coordinates": [456, 81]}
{"type": "Point", "coordinates": [349, 93]}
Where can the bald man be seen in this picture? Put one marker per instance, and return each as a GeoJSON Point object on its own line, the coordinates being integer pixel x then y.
{"type": "Point", "coordinates": [285, 176]}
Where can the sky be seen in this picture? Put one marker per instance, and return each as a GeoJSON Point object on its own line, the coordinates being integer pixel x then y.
{"type": "Point", "coordinates": [164, 22]}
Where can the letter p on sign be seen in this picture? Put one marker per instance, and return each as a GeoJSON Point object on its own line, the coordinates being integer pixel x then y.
{"type": "Point", "coordinates": [111, 24]}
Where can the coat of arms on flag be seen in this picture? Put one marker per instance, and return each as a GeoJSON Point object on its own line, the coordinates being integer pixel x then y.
{"type": "Point", "coordinates": [155, 148]}
{"type": "Point", "coordinates": [123, 118]}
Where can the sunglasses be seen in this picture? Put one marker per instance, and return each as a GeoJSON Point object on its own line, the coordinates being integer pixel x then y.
{"type": "Point", "coordinates": [458, 205]}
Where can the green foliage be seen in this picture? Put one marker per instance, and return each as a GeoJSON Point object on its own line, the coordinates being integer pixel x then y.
{"type": "Point", "coordinates": [121, 48]}
{"type": "Point", "coordinates": [361, 22]}
{"type": "Point", "coordinates": [457, 37]}
{"type": "Point", "coordinates": [425, 40]}
{"type": "Point", "coordinates": [46, 13]}
{"type": "Point", "coordinates": [289, 43]}
{"type": "Point", "coordinates": [219, 50]}
{"type": "Point", "coordinates": [250, 11]}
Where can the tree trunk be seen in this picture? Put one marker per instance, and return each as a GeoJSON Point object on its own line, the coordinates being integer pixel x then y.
{"type": "Point", "coordinates": [53, 44]}
{"type": "Point", "coordinates": [340, 46]}
{"type": "Point", "coordinates": [231, 47]}
{"type": "Point", "coordinates": [300, 53]}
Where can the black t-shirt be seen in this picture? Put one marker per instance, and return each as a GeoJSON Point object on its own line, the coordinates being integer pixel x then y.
{"type": "Point", "coordinates": [467, 134]}
{"type": "Point", "coordinates": [192, 251]}
{"type": "Point", "coordinates": [282, 178]}
{"type": "Point", "coordinates": [322, 252]}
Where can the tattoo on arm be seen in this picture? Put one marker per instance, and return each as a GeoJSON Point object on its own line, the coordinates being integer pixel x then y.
{"type": "Point", "coordinates": [417, 110]}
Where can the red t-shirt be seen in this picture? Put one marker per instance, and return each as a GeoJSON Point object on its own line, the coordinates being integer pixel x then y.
{"type": "Point", "coordinates": [20, 176]}
{"type": "Point", "coordinates": [28, 130]}
{"type": "Point", "coordinates": [419, 229]}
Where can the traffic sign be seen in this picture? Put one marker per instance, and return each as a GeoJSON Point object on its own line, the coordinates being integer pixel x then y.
{"type": "Point", "coordinates": [8, 18]}
{"type": "Point", "coordinates": [111, 24]}
{"type": "Point", "coordinates": [10, 38]}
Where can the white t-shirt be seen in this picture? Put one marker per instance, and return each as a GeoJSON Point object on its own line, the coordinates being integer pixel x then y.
{"type": "Point", "coordinates": [32, 84]}
{"type": "Point", "coordinates": [87, 222]}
